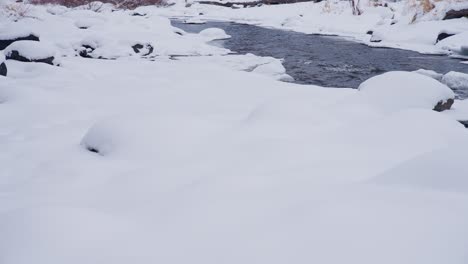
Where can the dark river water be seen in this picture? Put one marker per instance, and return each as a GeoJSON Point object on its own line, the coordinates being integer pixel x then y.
{"type": "Point", "coordinates": [326, 60]}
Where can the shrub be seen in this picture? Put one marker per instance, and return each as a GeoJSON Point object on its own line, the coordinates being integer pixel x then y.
{"type": "Point", "coordinates": [92, 4]}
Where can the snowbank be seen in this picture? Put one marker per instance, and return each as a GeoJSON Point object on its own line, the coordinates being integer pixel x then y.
{"type": "Point", "coordinates": [31, 50]}
{"type": "Point", "coordinates": [395, 91]}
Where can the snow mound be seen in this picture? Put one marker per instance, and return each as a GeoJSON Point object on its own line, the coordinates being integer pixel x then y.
{"type": "Point", "coordinates": [456, 80]}
{"type": "Point", "coordinates": [275, 69]}
{"type": "Point", "coordinates": [444, 169]}
{"type": "Point", "coordinates": [32, 50]}
{"type": "Point", "coordinates": [430, 73]}
{"type": "Point", "coordinates": [400, 90]}
{"type": "Point", "coordinates": [14, 32]}
{"type": "Point", "coordinates": [214, 34]}
{"type": "Point", "coordinates": [454, 43]}
{"type": "Point", "coordinates": [2, 58]}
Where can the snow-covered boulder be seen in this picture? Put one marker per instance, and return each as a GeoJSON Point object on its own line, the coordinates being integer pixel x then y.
{"type": "Point", "coordinates": [275, 69]}
{"type": "Point", "coordinates": [443, 35]}
{"type": "Point", "coordinates": [214, 34]}
{"type": "Point", "coordinates": [144, 49]}
{"type": "Point", "coordinates": [456, 80]}
{"type": "Point", "coordinates": [399, 90]}
{"type": "Point", "coordinates": [430, 73]}
{"type": "Point", "coordinates": [30, 51]}
{"type": "Point", "coordinates": [454, 43]}
{"type": "Point", "coordinates": [3, 68]}
{"type": "Point", "coordinates": [376, 37]}
{"type": "Point", "coordinates": [11, 34]}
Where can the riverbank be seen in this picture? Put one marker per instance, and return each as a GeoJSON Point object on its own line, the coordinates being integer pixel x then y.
{"type": "Point", "coordinates": [390, 26]}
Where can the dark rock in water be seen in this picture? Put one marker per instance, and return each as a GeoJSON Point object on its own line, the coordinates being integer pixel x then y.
{"type": "Point", "coordinates": [15, 55]}
{"type": "Point", "coordinates": [137, 48]}
{"type": "Point", "coordinates": [138, 14]}
{"type": "Point", "coordinates": [452, 14]}
{"type": "Point", "coordinates": [83, 27]}
{"type": "Point", "coordinates": [464, 50]}
{"type": "Point", "coordinates": [464, 122]}
{"type": "Point", "coordinates": [443, 35]}
{"type": "Point", "coordinates": [3, 69]}
{"type": "Point", "coordinates": [444, 105]}
{"type": "Point", "coordinates": [6, 42]}
{"type": "Point", "coordinates": [370, 32]}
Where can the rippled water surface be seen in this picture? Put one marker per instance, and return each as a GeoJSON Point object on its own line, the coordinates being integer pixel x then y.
{"type": "Point", "coordinates": [325, 60]}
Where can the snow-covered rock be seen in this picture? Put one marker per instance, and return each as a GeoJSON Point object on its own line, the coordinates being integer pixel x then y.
{"type": "Point", "coordinates": [273, 68]}
{"type": "Point", "coordinates": [400, 90]}
{"type": "Point", "coordinates": [30, 51]}
{"type": "Point", "coordinates": [11, 33]}
{"type": "Point", "coordinates": [456, 80]}
{"type": "Point", "coordinates": [430, 73]}
{"type": "Point", "coordinates": [214, 34]}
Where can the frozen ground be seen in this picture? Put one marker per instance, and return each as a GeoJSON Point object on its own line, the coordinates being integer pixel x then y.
{"type": "Point", "coordinates": [202, 159]}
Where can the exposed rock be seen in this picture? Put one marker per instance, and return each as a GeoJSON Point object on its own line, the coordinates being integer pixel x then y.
{"type": "Point", "coordinates": [86, 51]}
{"type": "Point", "coordinates": [444, 105]}
{"type": "Point", "coordinates": [464, 122]}
{"type": "Point", "coordinates": [6, 42]}
{"type": "Point", "coordinates": [452, 14]}
{"type": "Point", "coordinates": [370, 32]}
{"type": "Point", "coordinates": [443, 35]}
{"type": "Point", "coordinates": [138, 14]}
{"type": "Point", "coordinates": [3, 69]}
{"type": "Point", "coordinates": [146, 49]}
{"type": "Point", "coordinates": [15, 55]}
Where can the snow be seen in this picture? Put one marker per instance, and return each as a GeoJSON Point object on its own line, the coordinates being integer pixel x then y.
{"type": "Point", "coordinates": [2, 58]}
{"type": "Point", "coordinates": [32, 50]}
{"type": "Point", "coordinates": [8, 32]}
{"type": "Point", "coordinates": [456, 80]}
{"type": "Point", "coordinates": [430, 73]}
{"type": "Point", "coordinates": [207, 158]}
{"type": "Point", "coordinates": [394, 91]}
{"type": "Point", "coordinates": [214, 34]}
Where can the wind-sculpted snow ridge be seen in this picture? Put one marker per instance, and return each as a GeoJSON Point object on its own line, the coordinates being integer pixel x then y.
{"type": "Point", "coordinates": [205, 160]}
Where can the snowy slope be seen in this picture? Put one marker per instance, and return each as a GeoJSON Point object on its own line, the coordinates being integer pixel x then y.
{"type": "Point", "coordinates": [197, 160]}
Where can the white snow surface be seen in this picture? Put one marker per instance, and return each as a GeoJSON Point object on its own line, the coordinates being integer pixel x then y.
{"type": "Point", "coordinates": [205, 160]}
{"type": "Point", "coordinates": [29, 49]}
{"type": "Point", "coordinates": [456, 80]}
{"type": "Point", "coordinates": [395, 91]}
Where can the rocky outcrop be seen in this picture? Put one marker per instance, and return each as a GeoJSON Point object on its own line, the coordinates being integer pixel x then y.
{"type": "Point", "coordinates": [3, 69]}
{"type": "Point", "coordinates": [452, 14]}
{"type": "Point", "coordinates": [464, 122]}
{"type": "Point", "coordinates": [444, 105]}
{"type": "Point", "coordinates": [16, 55]}
{"type": "Point", "coordinates": [5, 42]}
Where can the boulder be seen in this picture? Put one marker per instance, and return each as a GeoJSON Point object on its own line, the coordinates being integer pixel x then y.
{"type": "Point", "coordinates": [145, 49]}
{"type": "Point", "coordinates": [85, 51]}
{"type": "Point", "coordinates": [375, 37]}
{"type": "Point", "coordinates": [3, 68]}
{"type": "Point", "coordinates": [30, 51]}
{"type": "Point", "coordinates": [396, 91]}
{"type": "Point", "coordinates": [7, 39]}
{"type": "Point", "coordinates": [464, 122]}
{"type": "Point", "coordinates": [444, 105]}
{"type": "Point", "coordinates": [443, 35]}
{"type": "Point", "coordinates": [452, 14]}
